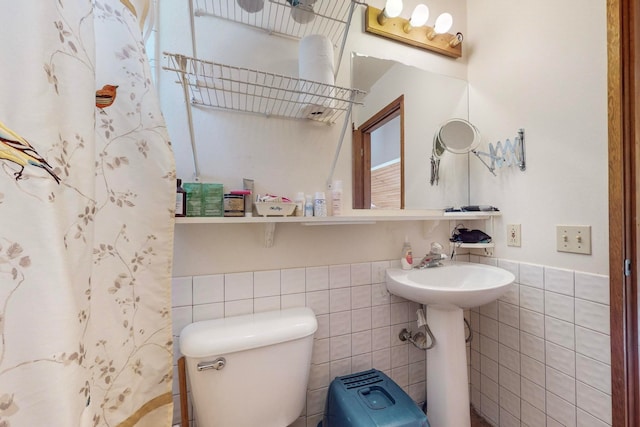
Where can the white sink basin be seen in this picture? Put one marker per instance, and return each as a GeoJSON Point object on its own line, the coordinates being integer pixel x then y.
{"type": "Point", "coordinates": [455, 284]}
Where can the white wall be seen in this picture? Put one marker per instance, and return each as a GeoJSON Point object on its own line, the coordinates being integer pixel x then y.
{"type": "Point", "coordinates": [542, 66]}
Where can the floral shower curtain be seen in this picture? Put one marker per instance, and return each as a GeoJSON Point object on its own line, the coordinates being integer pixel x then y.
{"type": "Point", "coordinates": [87, 186]}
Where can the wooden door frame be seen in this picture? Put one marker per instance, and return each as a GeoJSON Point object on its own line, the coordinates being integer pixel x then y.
{"type": "Point", "coordinates": [362, 153]}
{"type": "Point", "coordinates": [623, 36]}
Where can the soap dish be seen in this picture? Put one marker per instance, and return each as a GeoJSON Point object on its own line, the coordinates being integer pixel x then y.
{"type": "Point", "coordinates": [274, 208]}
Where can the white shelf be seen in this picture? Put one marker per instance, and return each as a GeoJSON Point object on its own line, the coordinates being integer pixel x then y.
{"type": "Point", "coordinates": [487, 248]}
{"type": "Point", "coordinates": [245, 90]}
{"type": "Point", "coordinates": [332, 17]}
{"type": "Point", "coordinates": [364, 217]}
{"type": "Point", "coordinates": [474, 245]}
{"type": "Point", "coordinates": [354, 219]}
{"type": "Point", "coordinates": [468, 214]}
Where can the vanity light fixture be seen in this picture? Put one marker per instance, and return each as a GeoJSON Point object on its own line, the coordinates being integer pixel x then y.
{"type": "Point", "coordinates": [388, 23]}
{"type": "Point", "coordinates": [392, 9]}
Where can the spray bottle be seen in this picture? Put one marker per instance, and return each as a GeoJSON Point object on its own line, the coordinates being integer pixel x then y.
{"type": "Point", "coordinates": [407, 255]}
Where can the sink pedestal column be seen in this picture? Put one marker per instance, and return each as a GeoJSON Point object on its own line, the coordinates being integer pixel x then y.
{"type": "Point", "coordinates": [447, 379]}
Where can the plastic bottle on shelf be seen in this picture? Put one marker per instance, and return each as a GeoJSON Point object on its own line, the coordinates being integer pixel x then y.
{"type": "Point", "coordinates": [320, 204]}
{"type": "Point", "coordinates": [308, 206]}
{"type": "Point", "coordinates": [407, 255]}
{"type": "Point", "coordinates": [299, 201]}
{"type": "Point", "coordinates": [336, 198]}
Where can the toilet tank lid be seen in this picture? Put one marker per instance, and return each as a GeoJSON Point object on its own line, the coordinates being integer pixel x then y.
{"type": "Point", "coordinates": [230, 334]}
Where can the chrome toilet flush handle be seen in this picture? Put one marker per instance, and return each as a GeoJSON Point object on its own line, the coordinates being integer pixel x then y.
{"type": "Point", "coordinates": [217, 364]}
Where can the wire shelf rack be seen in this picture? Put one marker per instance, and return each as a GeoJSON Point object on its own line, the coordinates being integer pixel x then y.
{"type": "Point", "coordinates": [330, 17]}
{"type": "Point", "coordinates": [239, 89]}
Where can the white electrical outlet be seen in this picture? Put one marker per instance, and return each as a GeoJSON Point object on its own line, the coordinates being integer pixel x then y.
{"type": "Point", "coordinates": [513, 235]}
{"type": "Point", "coordinates": [574, 238]}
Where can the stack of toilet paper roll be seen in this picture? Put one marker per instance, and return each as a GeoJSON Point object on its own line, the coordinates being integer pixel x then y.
{"type": "Point", "coordinates": [316, 65]}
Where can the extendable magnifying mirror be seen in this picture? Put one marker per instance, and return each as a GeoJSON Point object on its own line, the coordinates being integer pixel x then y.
{"type": "Point", "coordinates": [457, 136]}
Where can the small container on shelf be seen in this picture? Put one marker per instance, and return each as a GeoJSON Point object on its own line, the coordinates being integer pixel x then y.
{"type": "Point", "coordinates": [274, 208]}
{"type": "Point", "coordinates": [204, 199]}
{"type": "Point", "coordinates": [233, 205]}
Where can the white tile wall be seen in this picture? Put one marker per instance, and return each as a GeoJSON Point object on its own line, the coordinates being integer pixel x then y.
{"type": "Point", "coordinates": [593, 373]}
{"type": "Point", "coordinates": [317, 278]}
{"type": "Point", "coordinates": [539, 357]}
{"type": "Point", "coordinates": [532, 346]}
{"type": "Point", "coordinates": [339, 276]}
{"type": "Point", "coordinates": [559, 306]}
{"type": "Point", "coordinates": [532, 369]}
{"type": "Point", "coordinates": [594, 402]}
{"type": "Point", "coordinates": [207, 289]}
{"type": "Point", "coordinates": [561, 412]}
{"type": "Point", "coordinates": [592, 315]}
{"type": "Point", "coordinates": [554, 360]}
{"type": "Point", "coordinates": [592, 287]}
{"type": "Point", "coordinates": [559, 280]}
{"type": "Point", "coordinates": [560, 332]}
{"type": "Point", "coordinates": [561, 385]}
{"type": "Point", "coordinates": [266, 283]}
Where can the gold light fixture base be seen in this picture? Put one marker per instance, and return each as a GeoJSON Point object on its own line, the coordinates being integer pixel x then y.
{"type": "Point", "coordinates": [417, 37]}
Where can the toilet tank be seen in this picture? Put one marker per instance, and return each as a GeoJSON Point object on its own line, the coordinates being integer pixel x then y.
{"type": "Point", "coordinates": [250, 370]}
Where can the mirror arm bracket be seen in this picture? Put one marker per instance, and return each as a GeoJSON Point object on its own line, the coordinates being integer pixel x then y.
{"type": "Point", "coordinates": [479, 155]}
{"type": "Point", "coordinates": [508, 152]}
{"type": "Point", "coordinates": [522, 164]}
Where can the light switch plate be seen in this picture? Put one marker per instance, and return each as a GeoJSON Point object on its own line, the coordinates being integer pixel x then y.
{"type": "Point", "coordinates": [574, 238]}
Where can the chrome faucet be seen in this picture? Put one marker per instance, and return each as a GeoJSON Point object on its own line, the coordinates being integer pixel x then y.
{"type": "Point", "coordinates": [433, 258]}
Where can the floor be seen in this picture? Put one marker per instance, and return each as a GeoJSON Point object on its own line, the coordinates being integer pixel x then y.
{"type": "Point", "coordinates": [477, 420]}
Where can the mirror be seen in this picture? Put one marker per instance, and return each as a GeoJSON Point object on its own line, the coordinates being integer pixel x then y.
{"type": "Point", "coordinates": [430, 100]}
{"type": "Point", "coordinates": [457, 136]}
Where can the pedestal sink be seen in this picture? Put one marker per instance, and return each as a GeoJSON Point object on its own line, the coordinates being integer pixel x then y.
{"type": "Point", "coordinates": [447, 290]}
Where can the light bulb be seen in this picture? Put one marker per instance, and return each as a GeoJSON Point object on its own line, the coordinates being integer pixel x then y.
{"type": "Point", "coordinates": [443, 23]}
{"type": "Point", "coordinates": [251, 6]}
{"type": "Point", "coordinates": [303, 12]}
{"type": "Point", "coordinates": [393, 8]}
{"type": "Point", "coordinates": [419, 16]}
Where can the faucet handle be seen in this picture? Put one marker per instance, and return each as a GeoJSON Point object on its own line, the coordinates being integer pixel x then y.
{"type": "Point", "coordinates": [436, 248]}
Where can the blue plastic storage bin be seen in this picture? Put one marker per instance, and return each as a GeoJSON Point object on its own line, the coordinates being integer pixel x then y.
{"type": "Point", "coordinates": [370, 399]}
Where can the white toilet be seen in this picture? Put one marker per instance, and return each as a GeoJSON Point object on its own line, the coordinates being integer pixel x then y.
{"type": "Point", "coordinates": [251, 370]}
